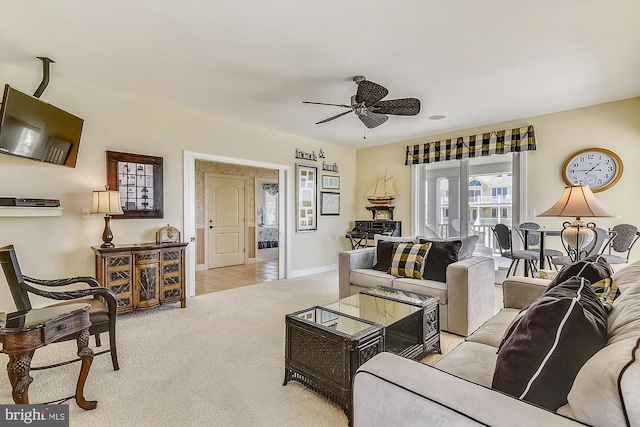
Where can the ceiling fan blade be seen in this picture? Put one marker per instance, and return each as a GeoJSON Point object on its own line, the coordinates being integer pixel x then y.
{"type": "Point", "coordinates": [400, 107]}
{"type": "Point", "coordinates": [322, 103]}
{"type": "Point", "coordinates": [372, 120]}
{"type": "Point", "coordinates": [370, 93]}
{"type": "Point", "coordinates": [334, 117]}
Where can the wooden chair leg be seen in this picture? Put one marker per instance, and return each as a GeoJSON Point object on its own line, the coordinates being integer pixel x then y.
{"type": "Point", "coordinates": [97, 338]}
{"type": "Point", "coordinates": [112, 345]}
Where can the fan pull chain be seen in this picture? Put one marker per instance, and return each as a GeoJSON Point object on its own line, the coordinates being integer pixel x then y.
{"type": "Point", "coordinates": [364, 132]}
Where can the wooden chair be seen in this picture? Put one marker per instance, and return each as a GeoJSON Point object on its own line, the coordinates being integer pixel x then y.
{"type": "Point", "coordinates": [502, 234]}
{"type": "Point", "coordinates": [102, 313]}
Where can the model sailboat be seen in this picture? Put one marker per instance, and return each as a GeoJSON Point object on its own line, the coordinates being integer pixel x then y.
{"type": "Point", "coordinates": [383, 191]}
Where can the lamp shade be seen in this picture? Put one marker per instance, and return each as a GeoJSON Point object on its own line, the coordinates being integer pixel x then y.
{"type": "Point", "coordinates": [578, 201]}
{"type": "Point", "coordinates": [106, 202]}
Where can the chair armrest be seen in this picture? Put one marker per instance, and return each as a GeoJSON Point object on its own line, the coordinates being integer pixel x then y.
{"type": "Point", "coordinates": [519, 291]}
{"type": "Point", "coordinates": [91, 281]}
{"type": "Point", "coordinates": [389, 390]}
{"type": "Point", "coordinates": [352, 260]}
{"type": "Point", "coordinates": [470, 294]}
{"type": "Point", "coordinates": [107, 294]}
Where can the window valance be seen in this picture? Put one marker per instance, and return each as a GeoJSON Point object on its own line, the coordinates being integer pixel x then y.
{"type": "Point", "coordinates": [486, 144]}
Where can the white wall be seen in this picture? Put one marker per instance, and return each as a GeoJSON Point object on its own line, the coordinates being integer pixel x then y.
{"type": "Point", "coordinates": [615, 126]}
{"type": "Point", "coordinates": [60, 246]}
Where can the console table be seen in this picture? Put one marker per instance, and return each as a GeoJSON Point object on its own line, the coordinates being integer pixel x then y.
{"type": "Point", "coordinates": [143, 275]}
{"type": "Point", "coordinates": [22, 332]}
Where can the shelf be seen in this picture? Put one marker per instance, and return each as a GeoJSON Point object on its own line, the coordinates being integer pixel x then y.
{"type": "Point", "coordinates": [23, 211]}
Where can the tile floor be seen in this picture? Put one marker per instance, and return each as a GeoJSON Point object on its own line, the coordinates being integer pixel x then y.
{"type": "Point", "coordinates": [223, 278]}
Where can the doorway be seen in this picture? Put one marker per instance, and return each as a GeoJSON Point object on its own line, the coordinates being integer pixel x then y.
{"type": "Point", "coordinates": [285, 210]}
{"type": "Point", "coordinates": [226, 223]}
{"type": "Point", "coordinates": [267, 240]}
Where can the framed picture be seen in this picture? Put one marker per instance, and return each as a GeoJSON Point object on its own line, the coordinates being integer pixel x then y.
{"type": "Point", "coordinates": [306, 197]}
{"type": "Point", "coordinates": [138, 178]}
{"type": "Point", "coordinates": [330, 182]}
{"type": "Point", "coordinates": [329, 203]}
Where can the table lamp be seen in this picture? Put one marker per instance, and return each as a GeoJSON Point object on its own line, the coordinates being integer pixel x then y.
{"type": "Point", "coordinates": [108, 203]}
{"type": "Point", "coordinates": [578, 201]}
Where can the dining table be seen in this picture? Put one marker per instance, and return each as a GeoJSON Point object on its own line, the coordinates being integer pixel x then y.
{"type": "Point", "coordinates": [543, 232]}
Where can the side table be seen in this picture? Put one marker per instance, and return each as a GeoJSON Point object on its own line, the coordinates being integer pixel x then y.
{"type": "Point", "coordinates": [22, 332]}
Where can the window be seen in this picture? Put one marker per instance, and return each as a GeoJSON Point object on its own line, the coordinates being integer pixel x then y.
{"type": "Point", "coordinates": [499, 191]}
{"type": "Point", "coordinates": [449, 207]}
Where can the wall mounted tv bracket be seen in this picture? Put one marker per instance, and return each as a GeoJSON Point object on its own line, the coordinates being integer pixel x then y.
{"type": "Point", "coordinates": [45, 75]}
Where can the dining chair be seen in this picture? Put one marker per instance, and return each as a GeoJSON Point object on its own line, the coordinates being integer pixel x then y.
{"type": "Point", "coordinates": [503, 236]}
{"type": "Point", "coordinates": [619, 246]}
{"type": "Point", "coordinates": [533, 239]}
{"type": "Point", "coordinates": [103, 302]}
{"type": "Point", "coordinates": [603, 237]}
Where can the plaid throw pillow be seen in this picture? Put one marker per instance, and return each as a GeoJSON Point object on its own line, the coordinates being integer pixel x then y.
{"type": "Point", "coordinates": [607, 291]}
{"type": "Point", "coordinates": [408, 259]}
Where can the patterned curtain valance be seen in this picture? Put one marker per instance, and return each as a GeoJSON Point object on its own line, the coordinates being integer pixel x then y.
{"type": "Point", "coordinates": [486, 144]}
{"type": "Point", "coordinates": [270, 188]}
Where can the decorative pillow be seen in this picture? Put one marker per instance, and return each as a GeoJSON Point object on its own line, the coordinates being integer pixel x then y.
{"type": "Point", "coordinates": [440, 255]}
{"type": "Point", "coordinates": [379, 237]}
{"type": "Point", "coordinates": [384, 250]}
{"type": "Point", "coordinates": [468, 246]}
{"type": "Point", "coordinates": [593, 268]}
{"type": "Point", "coordinates": [559, 332]}
{"type": "Point", "coordinates": [408, 259]}
{"type": "Point", "coordinates": [607, 292]}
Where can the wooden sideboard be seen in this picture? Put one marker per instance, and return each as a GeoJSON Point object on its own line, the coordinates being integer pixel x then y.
{"type": "Point", "coordinates": [144, 275]}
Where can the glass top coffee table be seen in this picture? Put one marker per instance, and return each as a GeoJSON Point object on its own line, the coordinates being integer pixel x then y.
{"type": "Point", "coordinates": [325, 345]}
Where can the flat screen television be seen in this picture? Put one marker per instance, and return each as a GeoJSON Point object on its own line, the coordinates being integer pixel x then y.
{"type": "Point", "coordinates": [31, 128]}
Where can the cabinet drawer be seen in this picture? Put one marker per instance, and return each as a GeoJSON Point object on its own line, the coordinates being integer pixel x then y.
{"type": "Point", "coordinates": [146, 256]}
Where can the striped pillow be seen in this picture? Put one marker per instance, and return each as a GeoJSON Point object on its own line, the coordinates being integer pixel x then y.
{"type": "Point", "coordinates": [409, 259]}
{"type": "Point", "coordinates": [607, 292]}
{"type": "Point", "coordinates": [558, 333]}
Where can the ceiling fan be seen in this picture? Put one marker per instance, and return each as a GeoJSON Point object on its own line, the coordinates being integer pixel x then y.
{"type": "Point", "coordinates": [368, 105]}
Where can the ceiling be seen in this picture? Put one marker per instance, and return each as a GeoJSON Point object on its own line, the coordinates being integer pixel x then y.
{"type": "Point", "coordinates": [475, 62]}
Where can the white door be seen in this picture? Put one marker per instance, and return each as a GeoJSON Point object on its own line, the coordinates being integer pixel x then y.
{"type": "Point", "coordinates": [225, 221]}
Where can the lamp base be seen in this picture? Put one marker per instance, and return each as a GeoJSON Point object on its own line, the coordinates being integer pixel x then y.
{"type": "Point", "coordinates": [578, 237]}
{"type": "Point", "coordinates": [107, 236]}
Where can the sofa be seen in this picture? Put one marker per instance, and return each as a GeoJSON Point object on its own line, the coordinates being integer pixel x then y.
{"type": "Point", "coordinates": [389, 390]}
{"type": "Point", "coordinates": [465, 287]}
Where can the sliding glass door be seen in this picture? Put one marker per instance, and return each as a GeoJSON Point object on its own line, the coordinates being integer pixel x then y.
{"type": "Point", "coordinates": [466, 197]}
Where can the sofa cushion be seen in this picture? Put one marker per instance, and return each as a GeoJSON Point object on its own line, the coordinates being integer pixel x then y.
{"type": "Point", "coordinates": [493, 330]}
{"type": "Point", "coordinates": [472, 361]}
{"type": "Point", "coordinates": [593, 268]}
{"type": "Point", "coordinates": [369, 278]}
{"type": "Point", "coordinates": [628, 276]}
{"type": "Point", "coordinates": [441, 254]}
{"type": "Point", "coordinates": [384, 253]}
{"type": "Point", "coordinates": [558, 333]}
{"type": "Point", "coordinates": [605, 391]}
{"type": "Point", "coordinates": [409, 259]}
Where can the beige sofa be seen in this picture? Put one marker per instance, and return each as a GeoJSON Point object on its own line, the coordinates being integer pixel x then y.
{"type": "Point", "coordinates": [466, 299]}
{"type": "Point", "coordinates": [390, 390]}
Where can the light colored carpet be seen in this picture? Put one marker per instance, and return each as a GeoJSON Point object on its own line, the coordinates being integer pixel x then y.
{"type": "Point", "coordinates": [218, 362]}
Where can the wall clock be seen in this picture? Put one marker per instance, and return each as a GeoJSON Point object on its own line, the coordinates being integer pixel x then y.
{"type": "Point", "coordinates": [597, 168]}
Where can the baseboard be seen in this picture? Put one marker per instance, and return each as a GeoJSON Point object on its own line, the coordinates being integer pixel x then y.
{"type": "Point", "coordinates": [316, 270]}
{"type": "Point", "coordinates": [200, 267]}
